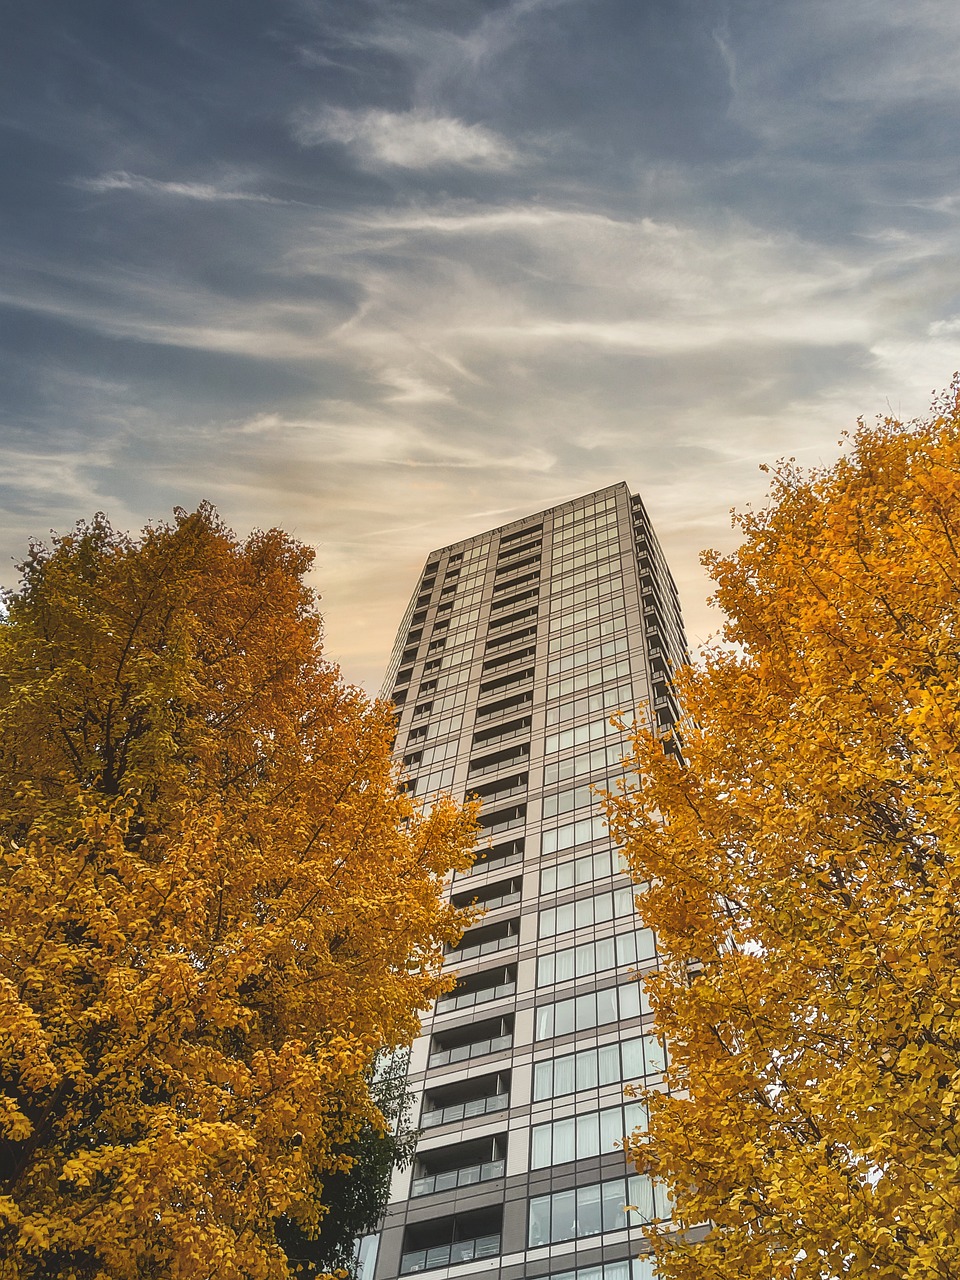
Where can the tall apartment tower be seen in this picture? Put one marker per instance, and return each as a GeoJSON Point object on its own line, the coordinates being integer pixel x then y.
{"type": "Point", "coordinates": [516, 649]}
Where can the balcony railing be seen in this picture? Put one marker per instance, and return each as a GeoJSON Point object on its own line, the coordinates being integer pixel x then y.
{"type": "Point", "coordinates": [450, 1179]}
{"type": "Point", "coordinates": [502, 900]}
{"type": "Point", "coordinates": [467, 999]}
{"type": "Point", "coordinates": [449, 1255]}
{"type": "Point", "coordinates": [465, 1110]}
{"type": "Point", "coordinates": [487, 948]}
{"type": "Point", "coordinates": [463, 1052]}
{"type": "Point", "coordinates": [489, 864]}
{"type": "Point", "coordinates": [515, 820]}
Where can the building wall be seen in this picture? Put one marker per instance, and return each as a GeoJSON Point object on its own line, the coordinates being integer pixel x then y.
{"type": "Point", "coordinates": [517, 647]}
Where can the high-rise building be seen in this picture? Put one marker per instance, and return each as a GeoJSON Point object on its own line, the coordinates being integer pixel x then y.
{"type": "Point", "coordinates": [516, 649]}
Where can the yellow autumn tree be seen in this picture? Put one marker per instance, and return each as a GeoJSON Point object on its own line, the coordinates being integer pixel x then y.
{"type": "Point", "coordinates": [216, 907]}
{"type": "Point", "coordinates": [805, 883]}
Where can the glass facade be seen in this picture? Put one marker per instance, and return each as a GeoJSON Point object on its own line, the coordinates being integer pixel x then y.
{"type": "Point", "coordinates": [517, 653]}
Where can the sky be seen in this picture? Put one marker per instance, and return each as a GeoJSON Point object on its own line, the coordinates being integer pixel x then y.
{"type": "Point", "coordinates": [389, 273]}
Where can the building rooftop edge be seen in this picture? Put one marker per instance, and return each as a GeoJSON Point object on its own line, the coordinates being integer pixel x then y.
{"type": "Point", "coordinates": [521, 521]}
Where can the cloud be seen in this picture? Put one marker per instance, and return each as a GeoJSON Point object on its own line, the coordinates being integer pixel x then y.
{"type": "Point", "coordinates": [120, 180]}
{"type": "Point", "coordinates": [415, 139]}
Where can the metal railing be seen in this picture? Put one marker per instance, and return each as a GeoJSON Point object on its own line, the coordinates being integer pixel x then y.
{"type": "Point", "coordinates": [452, 1178]}
{"type": "Point", "coordinates": [463, 1052]}
{"type": "Point", "coordinates": [501, 900]}
{"type": "Point", "coordinates": [448, 1255]}
{"type": "Point", "coordinates": [486, 948]}
{"type": "Point", "coordinates": [465, 1110]}
{"type": "Point", "coordinates": [467, 999]}
{"type": "Point", "coordinates": [489, 864]}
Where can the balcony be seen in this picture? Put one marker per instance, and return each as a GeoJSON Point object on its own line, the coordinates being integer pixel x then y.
{"type": "Point", "coordinates": [495, 859]}
{"type": "Point", "coordinates": [486, 941]}
{"type": "Point", "coordinates": [454, 1178]}
{"type": "Point", "coordinates": [461, 1165]}
{"type": "Point", "coordinates": [500, 733]}
{"type": "Point", "coordinates": [499, 894]}
{"type": "Point", "coordinates": [501, 760]}
{"type": "Point", "coordinates": [480, 988]}
{"type": "Point", "coordinates": [448, 1255]}
{"type": "Point", "coordinates": [460, 1044]}
{"type": "Point", "coordinates": [471, 1109]}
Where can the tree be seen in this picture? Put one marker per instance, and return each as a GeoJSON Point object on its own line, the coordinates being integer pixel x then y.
{"type": "Point", "coordinates": [217, 907]}
{"type": "Point", "coordinates": [804, 874]}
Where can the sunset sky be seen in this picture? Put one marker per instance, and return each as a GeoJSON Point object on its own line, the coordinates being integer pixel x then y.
{"type": "Point", "coordinates": [391, 272]}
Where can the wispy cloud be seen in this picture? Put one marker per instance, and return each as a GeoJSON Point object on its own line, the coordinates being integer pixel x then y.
{"type": "Point", "coordinates": [415, 139]}
{"type": "Point", "coordinates": [120, 180]}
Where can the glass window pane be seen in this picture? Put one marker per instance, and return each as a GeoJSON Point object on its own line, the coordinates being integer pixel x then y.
{"type": "Point", "coordinates": [605, 955]}
{"type": "Point", "coordinates": [654, 1054]}
{"type": "Point", "coordinates": [627, 948]}
{"type": "Point", "coordinates": [548, 923]}
{"type": "Point", "coordinates": [606, 1006]}
{"type": "Point", "coordinates": [640, 1191]}
{"type": "Point", "coordinates": [563, 1018]}
{"type": "Point", "coordinates": [539, 1228]}
{"type": "Point", "coordinates": [588, 1135]}
{"type": "Point", "coordinates": [589, 1221]}
{"type": "Point", "coordinates": [584, 870]}
{"type": "Point", "coordinates": [544, 1022]}
{"type": "Point", "coordinates": [613, 1202]}
{"type": "Point", "coordinates": [587, 1069]}
{"type": "Point", "coordinates": [565, 918]}
{"type": "Point", "coordinates": [584, 914]}
{"type": "Point", "coordinates": [611, 1128]}
{"type": "Point", "coordinates": [586, 1011]}
{"type": "Point", "coordinates": [563, 1216]}
{"type": "Point", "coordinates": [585, 959]}
{"type": "Point", "coordinates": [563, 1075]}
{"type": "Point", "coordinates": [603, 907]}
{"type": "Point", "coordinates": [548, 880]}
{"type": "Point", "coordinates": [646, 945]}
{"type": "Point", "coordinates": [565, 965]}
{"type": "Point", "coordinates": [545, 971]}
{"type": "Point", "coordinates": [630, 1000]}
{"type": "Point", "coordinates": [609, 1064]}
{"type": "Point", "coordinates": [542, 1080]}
{"type": "Point", "coordinates": [634, 1117]}
{"type": "Point", "coordinates": [564, 1140]}
{"type": "Point", "coordinates": [540, 1154]}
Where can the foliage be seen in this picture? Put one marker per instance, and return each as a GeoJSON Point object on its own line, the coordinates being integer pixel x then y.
{"type": "Point", "coordinates": [356, 1198]}
{"type": "Point", "coordinates": [217, 909]}
{"type": "Point", "coordinates": [806, 859]}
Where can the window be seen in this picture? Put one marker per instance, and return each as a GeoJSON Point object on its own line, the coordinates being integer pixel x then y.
{"type": "Point", "coordinates": [427, 784]}
{"type": "Point", "coordinates": [583, 764]}
{"type": "Point", "coordinates": [627, 1269]}
{"type": "Point", "coordinates": [563, 617]}
{"type": "Point", "coordinates": [595, 1009]}
{"type": "Point", "coordinates": [591, 866]}
{"type": "Point", "coordinates": [441, 728]}
{"type": "Point", "coordinates": [602, 652]}
{"type": "Point", "coordinates": [587, 911]}
{"type": "Point", "coordinates": [587, 1211]}
{"type": "Point", "coordinates": [619, 698]}
{"type": "Point", "coordinates": [577, 683]}
{"type": "Point", "coordinates": [589, 1134]}
{"type": "Point", "coordinates": [582, 832]}
{"type": "Point", "coordinates": [592, 632]}
{"type": "Point", "coordinates": [579, 735]}
{"type": "Point", "coordinates": [595, 957]}
{"type": "Point", "coordinates": [591, 1068]}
